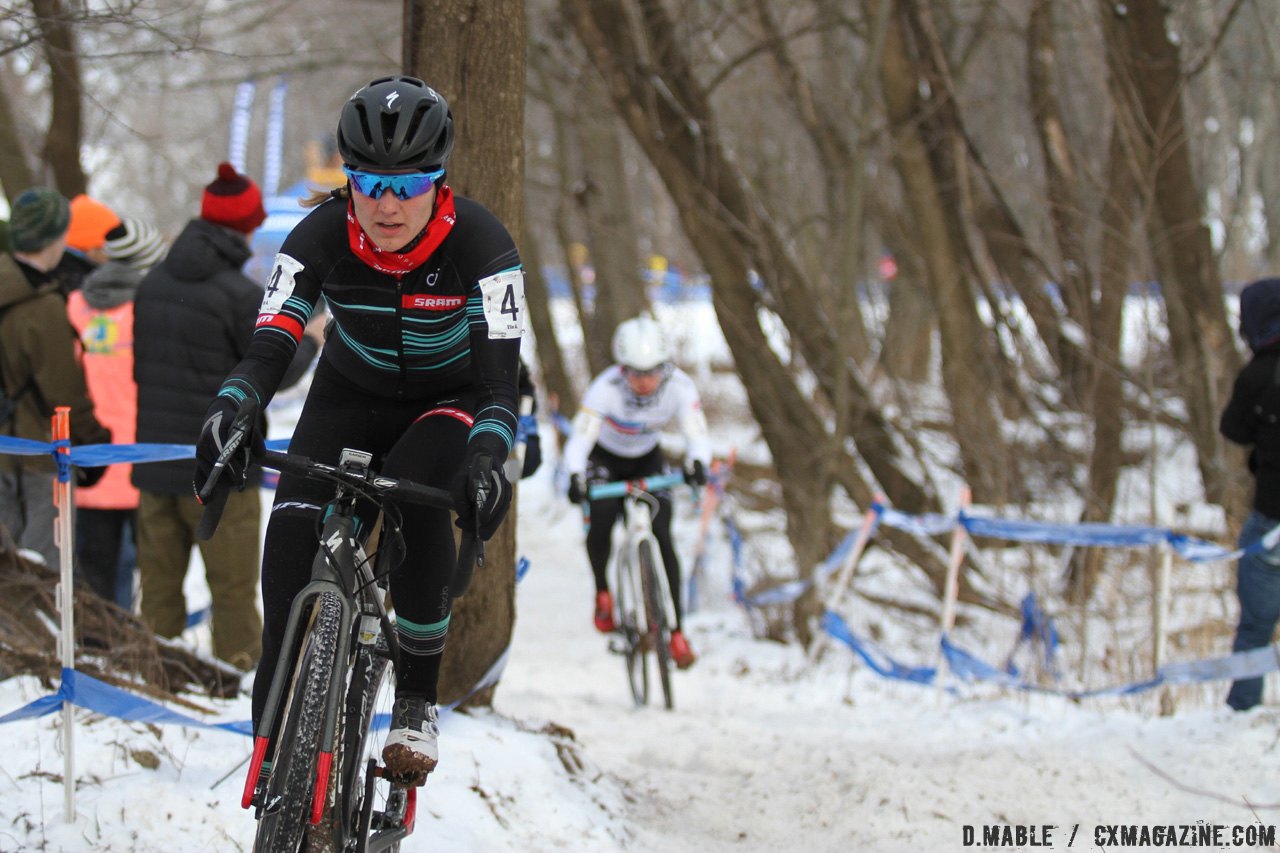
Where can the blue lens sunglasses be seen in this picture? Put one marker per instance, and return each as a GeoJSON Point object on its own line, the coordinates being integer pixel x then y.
{"type": "Point", "coordinates": [404, 186]}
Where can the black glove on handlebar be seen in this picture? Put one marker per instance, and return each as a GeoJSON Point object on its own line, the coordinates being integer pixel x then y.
{"type": "Point", "coordinates": [213, 437]}
{"type": "Point", "coordinates": [695, 474]}
{"type": "Point", "coordinates": [481, 493]}
{"type": "Point", "coordinates": [577, 489]}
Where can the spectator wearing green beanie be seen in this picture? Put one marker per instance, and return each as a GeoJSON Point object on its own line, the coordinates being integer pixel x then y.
{"type": "Point", "coordinates": [39, 220]}
{"type": "Point", "coordinates": [38, 368]}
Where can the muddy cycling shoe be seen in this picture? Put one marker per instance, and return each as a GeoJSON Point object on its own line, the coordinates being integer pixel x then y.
{"type": "Point", "coordinates": [410, 752]}
{"type": "Point", "coordinates": [604, 612]}
{"type": "Point", "coordinates": [680, 651]}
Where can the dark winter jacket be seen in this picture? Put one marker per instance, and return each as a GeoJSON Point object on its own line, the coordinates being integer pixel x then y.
{"type": "Point", "coordinates": [193, 318]}
{"type": "Point", "coordinates": [1252, 418]}
{"type": "Point", "coordinates": [38, 353]}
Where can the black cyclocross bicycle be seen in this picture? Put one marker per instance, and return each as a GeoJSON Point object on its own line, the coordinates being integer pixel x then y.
{"type": "Point", "coordinates": [334, 685]}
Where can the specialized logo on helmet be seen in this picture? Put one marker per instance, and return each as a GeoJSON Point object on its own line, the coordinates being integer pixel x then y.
{"type": "Point", "coordinates": [391, 98]}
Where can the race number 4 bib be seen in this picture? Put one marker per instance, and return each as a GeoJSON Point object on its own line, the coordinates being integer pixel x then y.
{"type": "Point", "coordinates": [504, 304]}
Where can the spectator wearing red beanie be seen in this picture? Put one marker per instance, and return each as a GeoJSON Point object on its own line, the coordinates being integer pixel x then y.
{"type": "Point", "coordinates": [233, 200]}
{"type": "Point", "coordinates": [193, 319]}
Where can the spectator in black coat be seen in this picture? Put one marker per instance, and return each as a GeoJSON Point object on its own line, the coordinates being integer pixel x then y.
{"type": "Point", "coordinates": [1252, 419]}
{"type": "Point", "coordinates": [193, 317]}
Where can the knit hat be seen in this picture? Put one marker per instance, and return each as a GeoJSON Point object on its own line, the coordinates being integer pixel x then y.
{"type": "Point", "coordinates": [90, 222]}
{"type": "Point", "coordinates": [39, 216]}
{"type": "Point", "coordinates": [135, 244]}
{"type": "Point", "coordinates": [233, 200]}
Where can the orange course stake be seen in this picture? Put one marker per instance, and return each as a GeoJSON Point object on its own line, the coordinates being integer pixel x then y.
{"type": "Point", "coordinates": [64, 538]}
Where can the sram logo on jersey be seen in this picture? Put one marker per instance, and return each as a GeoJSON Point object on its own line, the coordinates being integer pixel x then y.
{"type": "Point", "coordinates": [426, 302]}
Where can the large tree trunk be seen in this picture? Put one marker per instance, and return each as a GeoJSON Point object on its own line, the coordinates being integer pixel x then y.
{"type": "Point", "coordinates": [604, 199]}
{"type": "Point", "coordinates": [473, 53]}
{"type": "Point", "coordinates": [1146, 65]}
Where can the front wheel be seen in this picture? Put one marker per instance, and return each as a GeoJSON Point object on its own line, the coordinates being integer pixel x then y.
{"type": "Point", "coordinates": [632, 627]}
{"type": "Point", "coordinates": [656, 610]}
{"type": "Point", "coordinates": [287, 808]}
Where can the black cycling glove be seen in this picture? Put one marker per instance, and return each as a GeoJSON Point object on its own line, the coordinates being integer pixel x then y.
{"type": "Point", "coordinates": [577, 489]}
{"type": "Point", "coordinates": [214, 435]}
{"type": "Point", "coordinates": [481, 475]}
{"type": "Point", "coordinates": [695, 474]}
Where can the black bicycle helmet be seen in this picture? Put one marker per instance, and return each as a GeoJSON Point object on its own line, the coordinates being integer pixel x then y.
{"type": "Point", "coordinates": [396, 123]}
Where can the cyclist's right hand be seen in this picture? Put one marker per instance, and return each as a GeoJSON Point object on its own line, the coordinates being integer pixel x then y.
{"type": "Point", "coordinates": [577, 488]}
{"type": "Point", "coordinates": [218, 426]}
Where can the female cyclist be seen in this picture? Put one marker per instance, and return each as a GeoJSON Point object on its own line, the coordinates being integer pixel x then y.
{"type": "Point", "coordinates": [419, 368]}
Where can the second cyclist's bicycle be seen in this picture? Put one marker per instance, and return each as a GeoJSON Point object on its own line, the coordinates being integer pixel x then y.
{"type": "Point", "coordinates": [645, 614]}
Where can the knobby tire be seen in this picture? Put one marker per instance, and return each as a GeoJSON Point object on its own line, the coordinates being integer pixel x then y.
{"type": "Point", "coordinates": [659, 630]}
{"type": "Point", "coordinates": [284, 821]}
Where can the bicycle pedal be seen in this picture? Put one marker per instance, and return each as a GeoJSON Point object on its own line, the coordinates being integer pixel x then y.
{"type": "Point", "coordinates": [402, 781]}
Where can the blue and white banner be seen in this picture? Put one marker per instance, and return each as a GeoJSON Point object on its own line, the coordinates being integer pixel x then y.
{"type": "Point", "coordinates": [274, 152]}
{"type": "Point", "coordinates": [241, 111]}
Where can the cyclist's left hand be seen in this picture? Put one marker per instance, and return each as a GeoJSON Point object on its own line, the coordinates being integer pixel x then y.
{"type": "Point", "coordinates": [480, 472]}
{"type": "Point", "coordinates": [695, 474]}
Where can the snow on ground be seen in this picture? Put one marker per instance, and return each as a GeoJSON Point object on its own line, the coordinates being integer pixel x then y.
{"type": "Point", "coordinates": [763, 751]}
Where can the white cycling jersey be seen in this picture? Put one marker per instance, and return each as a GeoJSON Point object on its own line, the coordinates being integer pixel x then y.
{"type": "Point", "coordinates": [630, 426]}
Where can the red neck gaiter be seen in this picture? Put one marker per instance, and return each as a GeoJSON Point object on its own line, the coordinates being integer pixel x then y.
{"type": "Point", "coordinates": [399, 263]}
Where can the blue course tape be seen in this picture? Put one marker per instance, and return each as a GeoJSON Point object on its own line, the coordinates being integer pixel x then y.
{"type": "Point", "coordinates": [100, 697]}
{"type": "Point", "coordinates": [877, 660]}
{"type": "Point", "coordinates": [88, 692]}
{"type": "Point", "coordinates": [96, 455]}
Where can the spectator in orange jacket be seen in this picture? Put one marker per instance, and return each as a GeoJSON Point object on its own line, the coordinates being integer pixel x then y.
{"type": "Point", "coordinates": [102, 313]}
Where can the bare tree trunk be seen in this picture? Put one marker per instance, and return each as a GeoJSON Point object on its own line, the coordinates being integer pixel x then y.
{"type": "Point", "coordinates": [1119, 219]}
{"type": "Point", "coordinates": [561, 395]}
{"type": "Point", "coordinates": [1066, 211]}
{"type": "Point", "coordinates": [473, 53]}
{"type": "Point", "coordinates": [62, 143]}
{"type": "Point", "coordinates": [969, 373]}
{"type": "Point", "coordinates": [604, 199]}
{"type": "Point", "coordinates": [1145, 64]}
{"type": "Point", "coordinates": [15, 170]}
{"type": "Point", "coordinates": [838, 257]}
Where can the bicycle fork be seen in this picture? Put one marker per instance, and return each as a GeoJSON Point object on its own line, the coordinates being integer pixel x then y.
{"type": "Point", "coordinates": [329, 573]}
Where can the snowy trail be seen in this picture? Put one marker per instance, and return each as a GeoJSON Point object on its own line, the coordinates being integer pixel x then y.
{"type": "Point", "coordinates": [763, 754]}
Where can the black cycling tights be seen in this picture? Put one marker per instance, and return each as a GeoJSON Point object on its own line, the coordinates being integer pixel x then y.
{"type": "Point", "coordinates": [604, 467]}
{"type": "Point", "coordinates": [404, 444]}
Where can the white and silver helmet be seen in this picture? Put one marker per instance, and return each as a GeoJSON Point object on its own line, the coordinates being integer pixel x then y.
{"type": "Point", "coordinates": [639, 345]}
